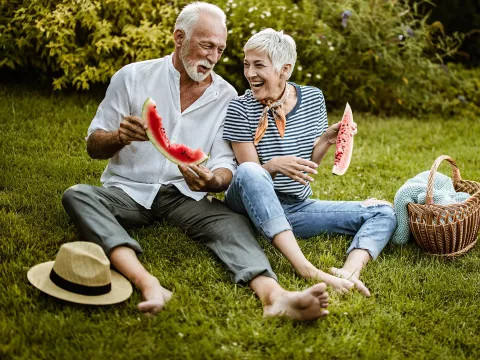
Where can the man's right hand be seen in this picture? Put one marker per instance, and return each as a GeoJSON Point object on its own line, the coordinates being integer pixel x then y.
{"type": "Point", "coordinates": [132, 128]}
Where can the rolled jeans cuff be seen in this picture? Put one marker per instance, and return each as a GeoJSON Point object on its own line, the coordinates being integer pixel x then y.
{"type": "Point", "coordinates": [275, 226]}
{"type": "Point", "coordinates": [372, 250]}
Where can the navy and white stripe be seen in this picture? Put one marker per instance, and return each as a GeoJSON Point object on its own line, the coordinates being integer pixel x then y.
{"type": "Point", "coordinates": [306, 122]}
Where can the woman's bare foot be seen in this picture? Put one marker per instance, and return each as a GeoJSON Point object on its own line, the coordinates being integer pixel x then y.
{"type": "Point", "coordinates": [352, 276]}
{"type": "Point", "coordinates": [155, 296]}
{"type": "Point", "coordinates": [309, 304]}
{"type": "Point", "coordinates": [338, 284]}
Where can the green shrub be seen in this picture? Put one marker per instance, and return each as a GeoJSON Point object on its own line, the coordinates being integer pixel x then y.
{"type": "Point", "coordinates": [85, 41]}
{"type": "Point", "coordinates": [381, 57]}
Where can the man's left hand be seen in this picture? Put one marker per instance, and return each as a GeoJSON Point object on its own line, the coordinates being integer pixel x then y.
{"type": "Point", "coordinates": [198, 177]}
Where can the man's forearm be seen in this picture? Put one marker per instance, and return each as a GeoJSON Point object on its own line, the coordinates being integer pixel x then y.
{"type": "Point", "coordinates": [103, 144]}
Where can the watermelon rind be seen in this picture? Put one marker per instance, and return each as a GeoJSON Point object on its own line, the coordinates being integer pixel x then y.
{"type": "Point", "coordinates": [146, 105]}
{"type": "Point", "coordinates": [340, 167]}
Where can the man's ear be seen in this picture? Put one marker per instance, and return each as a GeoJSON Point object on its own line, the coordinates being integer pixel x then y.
{"type": "Point", "coordinates": [179, 37]}
{"type": "Point", "coordinates": [285, 71]}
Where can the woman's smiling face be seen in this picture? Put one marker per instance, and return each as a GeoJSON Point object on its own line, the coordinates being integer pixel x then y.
{"type": "Point", "coordinates": [266, 83]}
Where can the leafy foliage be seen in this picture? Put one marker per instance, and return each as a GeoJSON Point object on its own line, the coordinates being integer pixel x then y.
{"type": "Point", "coordinates": [449, 13]}
{"type": "Point", "coordinates": [379, 55]}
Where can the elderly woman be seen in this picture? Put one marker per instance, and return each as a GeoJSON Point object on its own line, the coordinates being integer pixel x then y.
{"type": "Point", "coordinates": [279, 133]}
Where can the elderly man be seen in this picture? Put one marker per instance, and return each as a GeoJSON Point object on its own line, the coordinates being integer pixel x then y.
{"type": "Point", "coordinates": [141, 186]}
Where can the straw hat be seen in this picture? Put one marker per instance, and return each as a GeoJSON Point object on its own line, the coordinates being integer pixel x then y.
{"type": "Point", "coordinates": [81, 274]}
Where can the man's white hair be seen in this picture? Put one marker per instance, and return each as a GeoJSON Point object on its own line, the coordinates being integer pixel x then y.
{"type": "Point", "coordinates": [280, 48]}
{"type": "Point", "coordinates": [189, 15]}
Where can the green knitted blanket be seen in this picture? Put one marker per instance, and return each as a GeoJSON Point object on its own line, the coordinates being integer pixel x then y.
{"type": "Point", "coordinates": [415, 190]}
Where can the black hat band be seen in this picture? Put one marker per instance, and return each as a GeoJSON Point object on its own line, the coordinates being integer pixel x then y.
{"type": "Point", "coordinates": [78, 288]}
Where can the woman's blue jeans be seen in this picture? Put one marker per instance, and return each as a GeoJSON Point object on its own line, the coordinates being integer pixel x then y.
{"type": "Point", "coordinates": [251, 193]}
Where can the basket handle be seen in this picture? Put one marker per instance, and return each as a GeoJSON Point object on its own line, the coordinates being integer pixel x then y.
{"type": "Point", "coordinates": [455, 174]}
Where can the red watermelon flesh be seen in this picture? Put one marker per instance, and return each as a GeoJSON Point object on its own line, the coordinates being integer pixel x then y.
{"type": "Point", "coordinates": [177, 153]}
{"type": "Point", "coordinates": [344, 148]}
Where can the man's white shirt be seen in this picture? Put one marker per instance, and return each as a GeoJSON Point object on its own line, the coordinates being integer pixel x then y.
{"type": "Point", "coordinates": [139, 168]}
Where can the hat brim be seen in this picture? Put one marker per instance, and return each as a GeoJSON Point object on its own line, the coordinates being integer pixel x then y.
{"type": "Point", "coordinates": [39, 276]}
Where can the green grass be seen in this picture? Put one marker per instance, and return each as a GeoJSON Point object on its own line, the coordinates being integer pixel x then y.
{"type": "Point", "coordinates": [422, 307]}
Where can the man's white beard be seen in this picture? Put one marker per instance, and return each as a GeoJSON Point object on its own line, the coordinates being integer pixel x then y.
{"type": "Point", "coordinates": [190, 68]}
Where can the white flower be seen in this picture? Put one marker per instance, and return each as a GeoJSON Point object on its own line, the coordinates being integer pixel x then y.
{"type": "Point", "coordinates": [331, 48]}
{"type": "Point", "coordinates": [181, 335]}
{"type": "Point", "coordinates": [329, 43]}
{"type": "Point", "coordinates": [230, 31]}
{"type": "Point", "coordinates": [234, 343]}
{"type": "Point", "coordinates": [251, 9]}
{"type": "Point", "coordinates": [251, 25]}
{"type": "Point", "coordinates": [225, 59]}
{"type": "Point", "coordinates": [309, 75]}
{"type": "Point", "coordinates": [267, 13]}
{"type": "Point", "coordinates": [254, 32]}
{"type": "Point", "coordinates": [318, 42]}
{"type": "Point", "coordinates": [299, 68]}
{"type": "Point", "coordinates": [262, 16]}
{"type": "Point", "coordinates": [234, 5]}
{"type": "Point", "coordinates": [318, 76]}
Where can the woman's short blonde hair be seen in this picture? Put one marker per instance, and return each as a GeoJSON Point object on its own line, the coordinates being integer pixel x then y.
{"type": "Point", "coordinates": [280, 48]}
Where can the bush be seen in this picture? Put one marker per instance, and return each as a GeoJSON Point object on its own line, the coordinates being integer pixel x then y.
{"type": "Point", "coordinates": [381, 56]}
{"type": "Point", "coordinates": [85, 41]}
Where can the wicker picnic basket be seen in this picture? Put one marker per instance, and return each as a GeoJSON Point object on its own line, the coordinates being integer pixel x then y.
{"type": "Point", "coordinates": [447, 230]}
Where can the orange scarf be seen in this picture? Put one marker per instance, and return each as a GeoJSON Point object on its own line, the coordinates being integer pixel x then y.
{"type": "Point", "coordinates": [278, 115]}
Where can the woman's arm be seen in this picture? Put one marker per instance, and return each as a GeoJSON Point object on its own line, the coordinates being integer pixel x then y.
{"type": "Point", "coordinates": [323, 143]}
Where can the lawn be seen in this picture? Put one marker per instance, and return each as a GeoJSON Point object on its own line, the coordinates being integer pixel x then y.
{"type": "Point", "coordinates": [422, 307]}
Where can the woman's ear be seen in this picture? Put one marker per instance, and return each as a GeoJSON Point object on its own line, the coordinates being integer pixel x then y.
{"type": "Point", "coordinates": [284, 73]}
{"type": "Point", "coordinates": [179, 37]}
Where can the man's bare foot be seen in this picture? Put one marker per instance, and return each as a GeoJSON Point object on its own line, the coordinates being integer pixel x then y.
{"type": "Point", "coordinates": [155, 296]}
{"type": "Point", "coordinates": [309, 304]}
{"type": "Point", "coordinates": [352, 276]}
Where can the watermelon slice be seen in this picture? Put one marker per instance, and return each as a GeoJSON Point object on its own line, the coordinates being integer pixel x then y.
{"type": "Point", "coordinates": [177, 153]}
{"type": "Point", "coordinates": [343, 150]}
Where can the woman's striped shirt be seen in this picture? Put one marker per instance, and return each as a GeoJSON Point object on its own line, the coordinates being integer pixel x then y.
{"type": "Point", "coordinates": [306, 122]}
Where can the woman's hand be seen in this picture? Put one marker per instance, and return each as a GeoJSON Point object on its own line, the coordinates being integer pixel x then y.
{"type": "Point", "coordinates": [294, 167]}
{"type": "Point", "coordinates": [332, 133]}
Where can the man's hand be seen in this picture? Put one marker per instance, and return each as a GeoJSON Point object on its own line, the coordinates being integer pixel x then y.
{"type": "Point", "coordinates": [198, 177]}
{"type": "Point", "coordinates": [132, 128]}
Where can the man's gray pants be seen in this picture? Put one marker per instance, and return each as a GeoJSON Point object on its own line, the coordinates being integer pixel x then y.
{"type": "Point", "coordinates": [101, 215]}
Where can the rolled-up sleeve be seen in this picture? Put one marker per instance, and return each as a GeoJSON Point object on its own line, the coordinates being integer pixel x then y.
{"type": "Point", "coordinates": [221, 155]}
{"type": "Point", "coordinates": [116, 104]}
